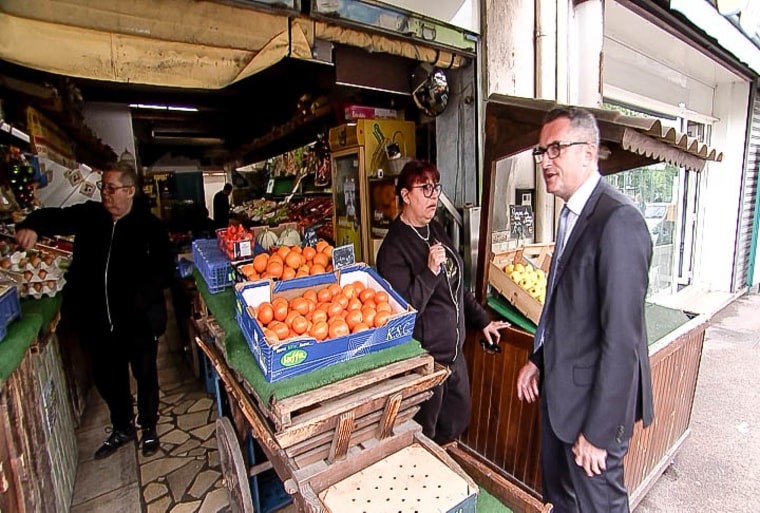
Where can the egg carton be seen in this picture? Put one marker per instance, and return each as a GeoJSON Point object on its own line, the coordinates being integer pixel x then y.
{"type": "Point", "coordinates": [35, 274]}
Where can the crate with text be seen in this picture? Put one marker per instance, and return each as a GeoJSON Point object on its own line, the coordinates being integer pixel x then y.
{"type": "Point", "coordinates": [304, 324]}
{"type": "Point", "coordinates": [520, 276]}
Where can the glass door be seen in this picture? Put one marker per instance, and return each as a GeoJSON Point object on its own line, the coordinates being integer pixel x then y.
{"type": "Point", "coordinates": [347, 191]}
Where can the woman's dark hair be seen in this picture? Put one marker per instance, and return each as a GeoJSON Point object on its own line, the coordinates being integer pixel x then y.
{"type": "Point", "coordinates": [416, 172]}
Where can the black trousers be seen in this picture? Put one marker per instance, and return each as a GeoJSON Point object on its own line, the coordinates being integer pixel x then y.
{"type": "Point", "coordinates": [113, 354]}
{"type": "Point", "coordinates": [446, 414]}
{"type": "Point", "coordinates": [567, 486]}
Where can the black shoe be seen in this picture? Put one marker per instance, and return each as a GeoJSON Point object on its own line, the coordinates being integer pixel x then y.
{"type": "Point", "coordinates": [118, 438]}
{"type": "Point", "coordinates": [150, 442]}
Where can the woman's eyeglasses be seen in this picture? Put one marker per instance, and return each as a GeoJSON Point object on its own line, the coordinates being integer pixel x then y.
{"type": "Point", "coordinates": [428, 189]}
{"type": "Point", "coordinates": [110, 189]}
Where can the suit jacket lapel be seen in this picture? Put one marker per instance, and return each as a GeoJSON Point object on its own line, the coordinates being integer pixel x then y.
{"type": "Point", "coordinates": [580, 226]}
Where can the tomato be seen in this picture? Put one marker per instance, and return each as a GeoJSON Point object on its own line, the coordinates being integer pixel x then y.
{"type": "Point", "coordinates": [354, 304]}
{"type": "Point", "coordinates": [368, 315]}
{"type": "Point", "coordinates": [280, 329]}
{"type": "Point", "coordinates": [324, 295]}
{"type": "Point", "coordinates": [292, 314]}
{"type": "Point", "coordinates": [358, 286]}
{"type": "Point", "coordinates": [310, 295]}
{"type": "Point", "coordinates": [341, 299]}
{"type": "Point", "coordinates": [319, 316]}
{"type": "Point", "coordinates": [334, 289]}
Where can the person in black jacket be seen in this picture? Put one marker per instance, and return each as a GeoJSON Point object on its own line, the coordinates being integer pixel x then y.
{"type": "Point", "coordinates": [420, 262]}
{"type": "Point", "coordinates": [114, 297]}
{"type": "Point", "coordinates": [222, 206]}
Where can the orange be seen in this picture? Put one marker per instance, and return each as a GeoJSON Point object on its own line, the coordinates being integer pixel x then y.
{"type": "Point", "coordinates": [316, 269]}
{"type": "Point", "coordinates": [283, 251]}
{"type": "Point", "coordinates": [334, 310]}
{"type": "Point", "coordinates": [324, 295]}
{"type": "Point", "coordinates": [349, 291]}
{"type": "Point", "coordinates": [334, 289]}
{"type": "Point", "coordinates": [353, 318]}
{"type": "Point", "coordinates": [276, 258]}
{"type": "Point", "coordinates": [280, 311]}
{"type": "Point", "coordinates": [266, 313]}
{"type": "Point", "coordinates": [384, 307]}
{"type": "Point", "coordinates": [368, 315]}
{"type": "Point", "coordinates": [381, 319]}
{"type": "Point", "coordinates": [338, 329]}
{"type": "Point", "coordinates": [301, 273]}
{"type": "Point", "coordinates": [288, 273]}
{"type": "Point", "coordinates": [300, 325]}
{"type": "Point", "coordinates": [319, 330]}
{"type": "Point", "coordinates": [329, 268]}
{"type": "Point", "coordinates": [354, 304]}
{"type": "Point", "coordinates": [359, 327]}
{"type": "Point", "coordinates": [359, 286]}
{"type": "Point", "coordinates": [280, 329]}
{"type": "Point", "coordinates": [320, 259]}
{"type": "Point", "coordinates": [308, 253]}
{"type": "Point", "coordinates": [310, 295]}
{"type": "Point", "coordinates": [327, 251]}
{"type": "Point", "coordinates": [260, 262]}
{"type": "Point", "coordinates": [270, 335]}
{"type": "Point", "coordinates": [319, 316]}
{"type": "Point", "coordinates": [300, 305]}
{"type": "Point", "coordinates": [274, 269]}
{"type": "Point", "coordinates": [321, 243]}
{"type": "Point", "coordinates": [292, 314]}
{"type": "Point", "coordinates": [366, 294]}
{"type": "Point", "coordinates": [296, 249]}
{"type": "Point", "coordinates": [341, 299]}
{"type": "Point", "coordinates": [294, 260]}
{"type": "Point", "coordinates": [381, 297]}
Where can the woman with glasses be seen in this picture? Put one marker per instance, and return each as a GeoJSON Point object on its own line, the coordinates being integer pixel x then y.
{"type": "Point", "coordinates": [420, 262]}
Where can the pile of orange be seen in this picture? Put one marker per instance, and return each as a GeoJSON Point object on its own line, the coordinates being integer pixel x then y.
{"type": "Point", "coordinates": [330, 312]}
{"type": "Point", "coordinates": [286, 262]}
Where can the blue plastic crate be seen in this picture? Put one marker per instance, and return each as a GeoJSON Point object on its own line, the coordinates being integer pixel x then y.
{"type": "Point", "coordinates": [10, 309]}
{"type": "Point", "coordinates": [213, 265]}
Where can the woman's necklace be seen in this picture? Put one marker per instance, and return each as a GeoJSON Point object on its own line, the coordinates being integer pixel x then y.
{"type": "Point", "coordinates": [426, 238]}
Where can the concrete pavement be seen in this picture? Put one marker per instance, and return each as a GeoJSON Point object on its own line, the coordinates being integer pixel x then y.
{"type": "Point", "coordinates": [718, 467]}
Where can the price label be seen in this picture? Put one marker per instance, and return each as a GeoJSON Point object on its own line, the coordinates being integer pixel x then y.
{"type": "Point", "coordinates": [270, 186]}
{"type": "Point", "coordinates": [343, 256]}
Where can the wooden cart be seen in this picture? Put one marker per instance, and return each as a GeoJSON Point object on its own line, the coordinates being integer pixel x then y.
{"type": "Point", "coordinates": [315, 440]}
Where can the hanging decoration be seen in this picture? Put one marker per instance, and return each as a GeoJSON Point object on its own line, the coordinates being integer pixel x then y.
{"type": "Point", "coordinates": [20, 174]}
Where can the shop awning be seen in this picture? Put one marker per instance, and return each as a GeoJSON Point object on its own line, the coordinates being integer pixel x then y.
{"type": "Point", "coordinates": [172, 43]}
{"type": "Point", "coordinates": [513, 125]}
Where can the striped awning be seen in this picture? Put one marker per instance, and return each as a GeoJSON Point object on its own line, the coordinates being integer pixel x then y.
{"type": "Point", "coordinates": [513, 125]}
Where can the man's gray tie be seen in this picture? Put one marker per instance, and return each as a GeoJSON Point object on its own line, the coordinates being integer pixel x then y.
{"type": "Point", "coordinates": [559, 247]}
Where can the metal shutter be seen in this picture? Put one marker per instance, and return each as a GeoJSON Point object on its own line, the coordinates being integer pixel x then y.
{"type": "Point", "coordinates": [749, 197]}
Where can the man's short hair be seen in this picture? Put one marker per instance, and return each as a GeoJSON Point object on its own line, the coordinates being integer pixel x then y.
{"type": "Point", "coordinates": [227, 187]}
{"type": "Point", "coordinates": [127, 173]}
{"type": "Point", "coordinates": [582, 122]}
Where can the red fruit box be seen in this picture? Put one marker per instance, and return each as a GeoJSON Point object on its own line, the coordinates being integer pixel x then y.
{"type": "Point", "coordinates": [299, 355]}
{"type": "Point", "coordinates": [236, 243]}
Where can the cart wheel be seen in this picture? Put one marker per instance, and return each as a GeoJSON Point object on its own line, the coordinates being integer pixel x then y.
{"type": "Point", "coordinates": [234, 470]}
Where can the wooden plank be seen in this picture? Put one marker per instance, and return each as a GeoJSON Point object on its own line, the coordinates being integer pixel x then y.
{"type": "Point", "coordinates": [363, 402]}
{"type": "Point", "coordinates": [342, 437]}
{"type": "Point", "coordinates": [283, 409]}
{"type": "Point", "coordinates": [388, 419]}
{"type": "Point", "coordinates": [359, 437]}
{"type": "Point", "coordinates": [493, 479]}
{"type": "Point", "coordinates": [319, 476]}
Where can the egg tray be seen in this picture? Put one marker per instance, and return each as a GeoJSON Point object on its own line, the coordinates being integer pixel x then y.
{"type": "Point", "coordinates": [34, 273]}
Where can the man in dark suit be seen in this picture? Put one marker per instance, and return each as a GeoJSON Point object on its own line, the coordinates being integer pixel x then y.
{"type": "Point", "coordinates": [590, 364]}
{"type": "Point", "coordinates": [222, 206]}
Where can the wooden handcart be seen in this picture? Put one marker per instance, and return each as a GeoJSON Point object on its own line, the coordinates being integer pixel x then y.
{"type": "Point", "coordinates": [316, 439]}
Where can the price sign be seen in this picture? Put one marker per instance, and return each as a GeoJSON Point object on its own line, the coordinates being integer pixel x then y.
{"type": "Point", "coordinates": [343, 256]}
{"type": "Point", "coordinates": [270, 186]}
{"type": "Point", "coordinates": [521, 221]}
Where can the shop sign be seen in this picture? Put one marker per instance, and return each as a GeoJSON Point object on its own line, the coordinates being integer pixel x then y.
{"type": "Point", "coordinates": [747, 12]}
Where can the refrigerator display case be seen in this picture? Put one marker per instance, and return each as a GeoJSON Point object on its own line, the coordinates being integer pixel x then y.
{"type": "Point", "coordinates": [366, 157]}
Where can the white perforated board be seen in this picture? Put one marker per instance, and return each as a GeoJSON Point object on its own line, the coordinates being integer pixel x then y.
{"type": "Point", "coordinates": [411, 480]}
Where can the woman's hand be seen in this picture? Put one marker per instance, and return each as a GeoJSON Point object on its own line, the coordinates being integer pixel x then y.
{"type": "Point", "coordinates": [436, 257]}
{"type": "Point", "coordinates": [491, 331]}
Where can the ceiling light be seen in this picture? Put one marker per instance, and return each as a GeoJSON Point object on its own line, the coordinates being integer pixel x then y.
{"type": "Point", "coordinates": [162, 107]}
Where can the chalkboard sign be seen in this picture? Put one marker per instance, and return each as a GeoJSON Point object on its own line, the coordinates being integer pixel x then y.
{"type": "Point", "coordinates": [343, 256]}
{"type": "Point", "coordinates": [521, 221]}
{"type": "Point", "coordinates": [309, 237]}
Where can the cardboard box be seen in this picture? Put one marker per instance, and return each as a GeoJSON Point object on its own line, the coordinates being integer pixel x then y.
{"type": "Point", "coordinates": [296, 356]}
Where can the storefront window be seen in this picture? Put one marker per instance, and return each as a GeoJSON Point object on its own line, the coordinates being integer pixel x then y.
{"type": "Point", "coordinates": [666, 196]}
